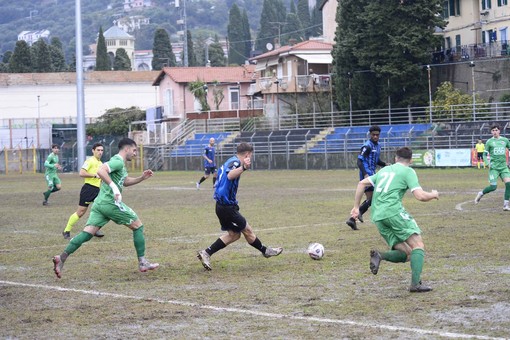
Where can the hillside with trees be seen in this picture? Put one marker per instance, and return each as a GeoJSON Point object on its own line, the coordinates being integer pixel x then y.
{"type": "Point", "coordinates": [205, 18]}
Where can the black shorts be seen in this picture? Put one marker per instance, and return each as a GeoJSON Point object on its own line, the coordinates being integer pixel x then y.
{"type": "Point", "coordinates": [479, 155]}
{"type": "Point", "coordinates": [88, 194]}
{"type": "Point", "coordinates": [209, 170]}
{"type": "Point", "coordinates": [230, 218]}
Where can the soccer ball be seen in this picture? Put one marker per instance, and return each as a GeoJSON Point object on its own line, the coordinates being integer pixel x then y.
{"type": "Point", "coordinates": [316, 251]}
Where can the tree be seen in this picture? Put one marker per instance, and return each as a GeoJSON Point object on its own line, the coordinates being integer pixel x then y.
{"type": "Point", "coordinates": [246, 34]}
{"type": "Point", "coordinates": [303, 12]}
{"type": "Point", "coordinates": [448, 99]}
{"type": "Point", "coordinates": [192, 59]}
{"type": "Point", "coordinates": [58, 61]}
{"type": "Point", "coordinates": [235, 33]}
{"type": "Point", "coordinates": [7, 56]}
{"type": "Point", "coordinates": [397, 38]}
{"type": "Point", "coordinates": [162, 50]}
{"type": "Point", "coordinates": [41, 57]}
{"type": "Point", "coordinates": [116, 122]}
{"type": "Point", "coordinates": [122, 61]}
{"type": "Point", "coordinates": [216, 53]}
{"type": "Point", "coordinates": [103, 62]}
{"type": "Point", "coordinates": [271, 20]}
{"type": "Point", "coordinates": [292, 29]}
{"type": "Point", "coordinates": [316, 22]}
{"type": "Point", "coordinates": [199, 90]}
{"type": "Point", "coordinates": [20, 61]}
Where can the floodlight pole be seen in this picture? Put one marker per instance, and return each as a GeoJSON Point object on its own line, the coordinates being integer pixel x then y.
{"type": "Point", "coordinates": [472, 65]}
{"type": "Point", "coordinates": [430, 95]}
{"type": "Point", "coordinates": [80, 119]}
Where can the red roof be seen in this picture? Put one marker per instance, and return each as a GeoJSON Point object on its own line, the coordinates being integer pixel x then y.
{"type": "Point", "coordinates": [309, 45]}
{"type": "Point", "coordinates": [242, 74]}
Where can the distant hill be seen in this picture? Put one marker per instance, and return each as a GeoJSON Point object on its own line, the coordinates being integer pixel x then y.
{"type": "Point", "coordinates": [204, 18]}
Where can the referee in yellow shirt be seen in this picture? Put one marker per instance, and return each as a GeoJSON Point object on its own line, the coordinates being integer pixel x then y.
{"type": "Point", "coordinates": [480, 149]}
{"type": "Point", "coordinates": [89, 190]}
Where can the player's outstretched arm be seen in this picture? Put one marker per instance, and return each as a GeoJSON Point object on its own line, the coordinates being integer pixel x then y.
{"type": "Point", "coordinates": [135, 180]}
{"type": "Point", "coordinates": [425, 196]}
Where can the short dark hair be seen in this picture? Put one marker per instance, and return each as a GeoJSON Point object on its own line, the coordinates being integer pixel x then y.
{"type": "Point", "coordinates": [374, 128]}
{"type": "Point", "coordinates": [53, 146]}
{"type": "Point", "coordinates": [405, 153]}
{"type": "Point", "coordinates": [126, 141]}
{"type": "Point", "coordinates": [495, 126]}
{"type": "Point", "coordinates": [96, 145]}
{"type": "Point", "coordinates": [244, 147]}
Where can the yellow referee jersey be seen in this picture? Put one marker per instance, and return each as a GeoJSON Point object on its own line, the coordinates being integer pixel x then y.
{"type": "Point", "coordinates": [92, 165]}
{"type": "Point", "coordinates": [480, 147]}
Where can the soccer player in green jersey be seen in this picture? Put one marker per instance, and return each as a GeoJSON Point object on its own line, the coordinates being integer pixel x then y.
{"type": "Point", "coordinates": [395, 224]}
{"type": "Point", "coordinates": [52, 166]}
{"type": "Point", "coordinates": [496, 148]}
{"type": "Point", "coordinates": [108, 206]}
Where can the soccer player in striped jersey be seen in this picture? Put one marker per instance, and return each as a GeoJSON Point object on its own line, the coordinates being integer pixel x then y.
{"type": "Point", "coordinates": [209, 163]}
{"type": "Point", "coordinates": [227, 208]}
{"type": "Point", "coordinates": [368, 160]}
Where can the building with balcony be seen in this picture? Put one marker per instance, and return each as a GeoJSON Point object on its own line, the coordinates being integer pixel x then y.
{"type": "Point", "coordinates": [476, 29]}
{"type": "Point", "coordinates": [289, 74]}
{"type": "Point", "coordinates": [227, 89]}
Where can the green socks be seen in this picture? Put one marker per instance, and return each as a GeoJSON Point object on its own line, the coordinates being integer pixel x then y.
{"type": "Point", "coordinates": [77, 241]}
{"type": "Point", "coordinates": [47, 194]}
{"type": "Point", "coordinates": [139, 241]}
{"type": "Point", "coordinates": [72, 221]}
{"type": "Point", "coordinates": [490, 188]}
{"type": "Point", "coordinates": [417, 258]}
{"type": "Point", "coordinates": [507, 191]}
{"type": "Point", "coordinates": [394, 256]}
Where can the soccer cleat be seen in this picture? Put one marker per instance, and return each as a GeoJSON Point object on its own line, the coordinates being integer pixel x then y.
{"type": "Point", "coordinates": [506, 208]}
{"type": "Point", "coordinates": [419, 288]}
{"type": "Point", "coordinates": [204, 258]}
{"type": "Point", "coordinates": [375, 261]}
{"type": "Point", "coordinates": [57, 266]}
{"type": "Point", "coordinates": [360, 218]}
{"type": "Point", "coordinates": [99, 233]}
{"type": "Point", "coordinates": [146, 266]}
{"type": "Point", "coordinates": [67, 235]}
{"type": "Point", "coordinates": [478, 197]}
{"type": "Point", "coordinates": [45, 202]}
{"type": "Point", "coordinates": [270, 252]}
{"type": "Point", "coordinates": [198, 185]}
{"type": "Point", "coordinates": [351, 222]}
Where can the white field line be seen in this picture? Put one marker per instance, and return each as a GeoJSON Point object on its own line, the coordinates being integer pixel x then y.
{"type": "Point", "coordinates": [254, 313]}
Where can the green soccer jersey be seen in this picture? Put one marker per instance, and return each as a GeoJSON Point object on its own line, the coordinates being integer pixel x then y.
{"type": "Point", "coordinates": [496, 147]}
{"type": "Point", "coordinates": [50, 164]}
{"type": "Point", "coordinates": [118, 174]}
{"type": "Point", "coordinates": [390, 185]}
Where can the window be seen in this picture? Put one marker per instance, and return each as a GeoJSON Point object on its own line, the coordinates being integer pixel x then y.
{"type": "Point", "coordinates": [502, 3]}
{"type": "Point", "coordinates": [169, 102]}
{"type": "Point", "coordinates": [451, 8]}
{"type": "Point", "coordinates": [233, 94]}
{"type": "Point", "coordinates": [486, 4]}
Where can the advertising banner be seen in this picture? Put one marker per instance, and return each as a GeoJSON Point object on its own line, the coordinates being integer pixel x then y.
{"type": "Point", "coordinates": [423, 158]}
{"type": "Point", "coordinates": [453, 157]}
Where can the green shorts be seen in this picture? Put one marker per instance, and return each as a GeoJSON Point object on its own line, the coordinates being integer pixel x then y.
{"type": "Point", "coordinates": [100, 214]}
{"type": "Point", "coordinates": [495, 174]}
{"type": "Point", "coordinates": [52, 180]}
{"type": "Point", "coordinates": [398, 228]}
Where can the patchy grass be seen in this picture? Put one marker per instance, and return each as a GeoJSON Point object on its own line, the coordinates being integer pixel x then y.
{"type": "Point", "coordinates": [102, 295]}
